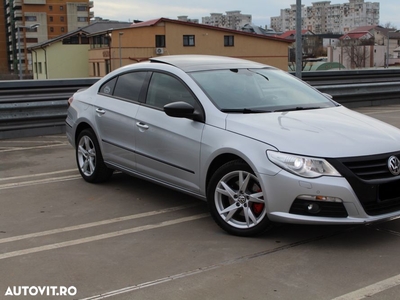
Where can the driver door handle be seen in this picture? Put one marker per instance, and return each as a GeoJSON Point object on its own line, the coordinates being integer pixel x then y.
{"type": "Point", "coordinates": [142, 125]}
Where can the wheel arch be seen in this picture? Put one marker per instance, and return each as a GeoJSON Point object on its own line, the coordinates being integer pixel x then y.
{"type": "Point", "coordinates": [82, 126]}
{"type": "Point", "coordinates": [218, 162]}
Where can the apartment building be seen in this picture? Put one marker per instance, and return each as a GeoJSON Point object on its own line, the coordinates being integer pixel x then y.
{"type": "Point", "coordinates": [3, 43]}
{"type": "Point", "coordinates": [232, 20]}
{"type": "Point", "coordinates": [29, 22]}
{"type": "Point", "coordinates": [323, 17]}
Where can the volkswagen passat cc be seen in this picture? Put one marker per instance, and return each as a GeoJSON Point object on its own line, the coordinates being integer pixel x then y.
{"type": "Point", "coordinates": [258, 144]}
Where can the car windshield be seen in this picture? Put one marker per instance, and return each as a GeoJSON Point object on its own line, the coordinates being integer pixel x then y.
{"type": "Point", "coordinates": [258, 90]}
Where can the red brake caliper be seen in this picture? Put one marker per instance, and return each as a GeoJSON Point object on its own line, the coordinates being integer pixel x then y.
{"type": "Point", "coordinates": [257, 207]}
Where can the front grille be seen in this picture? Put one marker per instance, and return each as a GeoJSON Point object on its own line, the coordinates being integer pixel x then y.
{"type": "Point", "coordinates": [325, 209]}
{"type": "Point", "coordinates": [370, 169]}
{"type": "Point", "coordinates": [375, 186]}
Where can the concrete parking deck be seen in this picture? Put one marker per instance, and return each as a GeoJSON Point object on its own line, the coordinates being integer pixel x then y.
{"type": "Point", "coordinates": [129, 239]}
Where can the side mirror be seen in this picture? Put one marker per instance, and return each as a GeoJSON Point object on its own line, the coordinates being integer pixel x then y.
{"type": "Point", "coordinates": [179, 110]}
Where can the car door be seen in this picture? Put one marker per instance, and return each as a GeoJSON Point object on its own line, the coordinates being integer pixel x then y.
{"type": "Point", "coordinates": [116, 107]}
{"type": "Point", "coordinates": [168, 148]}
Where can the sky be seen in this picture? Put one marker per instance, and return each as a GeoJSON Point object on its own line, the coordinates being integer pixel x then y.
{"type": "Point", "coordinates": [261, 11]}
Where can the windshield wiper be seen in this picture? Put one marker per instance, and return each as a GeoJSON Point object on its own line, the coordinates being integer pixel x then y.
{"type": "Point", "coordinates": [297, 108]}
{"type": "Point", "coordinates": [244, 110]}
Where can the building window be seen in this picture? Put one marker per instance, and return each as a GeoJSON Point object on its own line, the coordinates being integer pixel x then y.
{"type": "Point", "coordinates": [81, 8]}
{"type": "Point", "coordinates": [50, 7]}
{"type": "Point", "coordinates": [30, 18]}
{"type": "Point", "coordinates": [51, 19]}
{"type": "Point", "coordinates": [51, 29]}
{"type": "Point", "coordinates": [31, 29]}
{"type": "Point", "coordinates": [108, 66]}
{"type": "Point", "coordinates": [82, 19]}
{"type": "Point", "coordinates": [160, 41]}
{"type": "Point", "coordinates": [229, 41]}
{"type": "Point", "coordinates": [61, 7]}
{"type": "Point", "coordinates": [61, 19]}
{"type": "Point", "coordinates": [188, 40]}
{"type": "Point", "coordinates": [74, 40]}
{"type": "Point", "coordinates": [31, 40]}
{"type": "Point", "coordinates": [100, 41]}
{"type": "Point", "coordinates": [40, 68]}
{"type": "Point", "coordinates": [62, 29]}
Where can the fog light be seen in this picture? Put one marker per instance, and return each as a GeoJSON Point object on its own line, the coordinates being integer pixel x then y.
{"type": "Point", "coordinates": [313, 208]}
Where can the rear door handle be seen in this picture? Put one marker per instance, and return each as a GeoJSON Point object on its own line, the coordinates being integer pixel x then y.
{"type": "Point", "coordinates": [100, 111]}
{"type": "Point", "coordinates": [142, 125]}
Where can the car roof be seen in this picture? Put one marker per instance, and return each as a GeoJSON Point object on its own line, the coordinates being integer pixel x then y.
{"type": "Point", "coordinates": [190, 63]}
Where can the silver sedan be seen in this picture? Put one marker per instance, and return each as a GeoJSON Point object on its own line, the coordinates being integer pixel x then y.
{"type": "Point", "coordinates": [258, 144]}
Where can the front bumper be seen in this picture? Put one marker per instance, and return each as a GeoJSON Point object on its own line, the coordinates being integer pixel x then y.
{"type": "Point", "coordinates": [284, 204]}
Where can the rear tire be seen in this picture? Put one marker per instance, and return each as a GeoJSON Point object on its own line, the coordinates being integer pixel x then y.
{"type": "Point", "coordinates": [89, 158]}
{"type": "Point", "coordinates": [236, 200]}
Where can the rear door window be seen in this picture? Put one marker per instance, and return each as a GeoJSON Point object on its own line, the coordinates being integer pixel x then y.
{"type": "Point", "coordinates": [127, 86]}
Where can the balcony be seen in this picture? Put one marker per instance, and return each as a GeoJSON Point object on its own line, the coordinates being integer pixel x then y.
{"type": "Point", "coordinates": [17, 3]}
{"type": "Point", "coordinates": [17, 14]}
{"type": "Point", "coordinates": [18, 24]}
{"type": "Point", "coordinates": [91, 4]}
{"type": "Point", "coordinates": [34, 1]}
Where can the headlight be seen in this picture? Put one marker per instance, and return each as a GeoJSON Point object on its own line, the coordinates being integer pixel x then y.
{"type": "Point", "coordinates": [301, 165]}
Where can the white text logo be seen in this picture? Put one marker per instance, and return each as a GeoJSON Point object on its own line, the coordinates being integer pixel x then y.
{"type": "Point", "coordinates": [41, 291]}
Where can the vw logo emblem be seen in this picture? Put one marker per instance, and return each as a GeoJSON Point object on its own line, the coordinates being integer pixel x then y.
{"type": "Point", "coordinates": [394, 165]}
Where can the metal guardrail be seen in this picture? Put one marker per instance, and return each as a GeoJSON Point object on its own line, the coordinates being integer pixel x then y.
{"type": "Point", "coordinates": [357, 88]}
{"type": "Point", "coordinates": [38, 107]}
{"type": "Point", "coordinates": [365, 94]}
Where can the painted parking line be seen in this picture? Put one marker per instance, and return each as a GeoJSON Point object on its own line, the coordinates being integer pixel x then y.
{"type": "Point", "coordinates": [98, 223]}
{"type": "Point", "coordinates": [101, 236]}
{"type": "Point", "coordinates": [39, 181]}
{"type": "Point", "coordinates": [38, 175]}
{"type": "Point", "coordinates": [200, 270]}
{"type": "Point", "coordinates": [32, 148]}
{"type": "Point", "coordinates": [13, 141]}
{"type": "Point", "coordinates": [152, 283]}
{"type": "Point", "coordinates": [372, 289]}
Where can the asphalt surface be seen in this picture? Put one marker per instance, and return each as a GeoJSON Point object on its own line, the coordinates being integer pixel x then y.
{"type": "Point", "coordinates": [63, 238]}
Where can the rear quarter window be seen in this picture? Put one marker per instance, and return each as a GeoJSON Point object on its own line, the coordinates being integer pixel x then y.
{"type": "Point", "coordinates": [108, 87]}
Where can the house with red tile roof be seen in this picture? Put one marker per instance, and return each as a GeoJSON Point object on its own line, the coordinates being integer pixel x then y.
{"type": "Point", "coordinates": [162, 36]}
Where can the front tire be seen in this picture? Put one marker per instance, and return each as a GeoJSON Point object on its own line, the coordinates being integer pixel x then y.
{"type": "Point", "coordinates": [89, 158]}
{"type": "Point", "coordinates": [236, 200]}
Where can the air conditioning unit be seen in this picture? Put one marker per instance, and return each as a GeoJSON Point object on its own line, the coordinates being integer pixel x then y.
{"type": "Point", "coordinates": [159, 51]}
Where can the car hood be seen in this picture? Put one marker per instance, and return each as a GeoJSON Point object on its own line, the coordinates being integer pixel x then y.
{"type": "Point", "coordinates": [329, 132]}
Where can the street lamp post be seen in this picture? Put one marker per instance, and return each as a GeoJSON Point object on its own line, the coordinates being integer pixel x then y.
{"type": "Point", "coordinates": [299, 42]}
{"type": "Point", "coordinates": [388, 49]}
{"type": "Point", "coordinates": [19, 45]}
{"type": "Point", "coordinates": [119, 45]}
